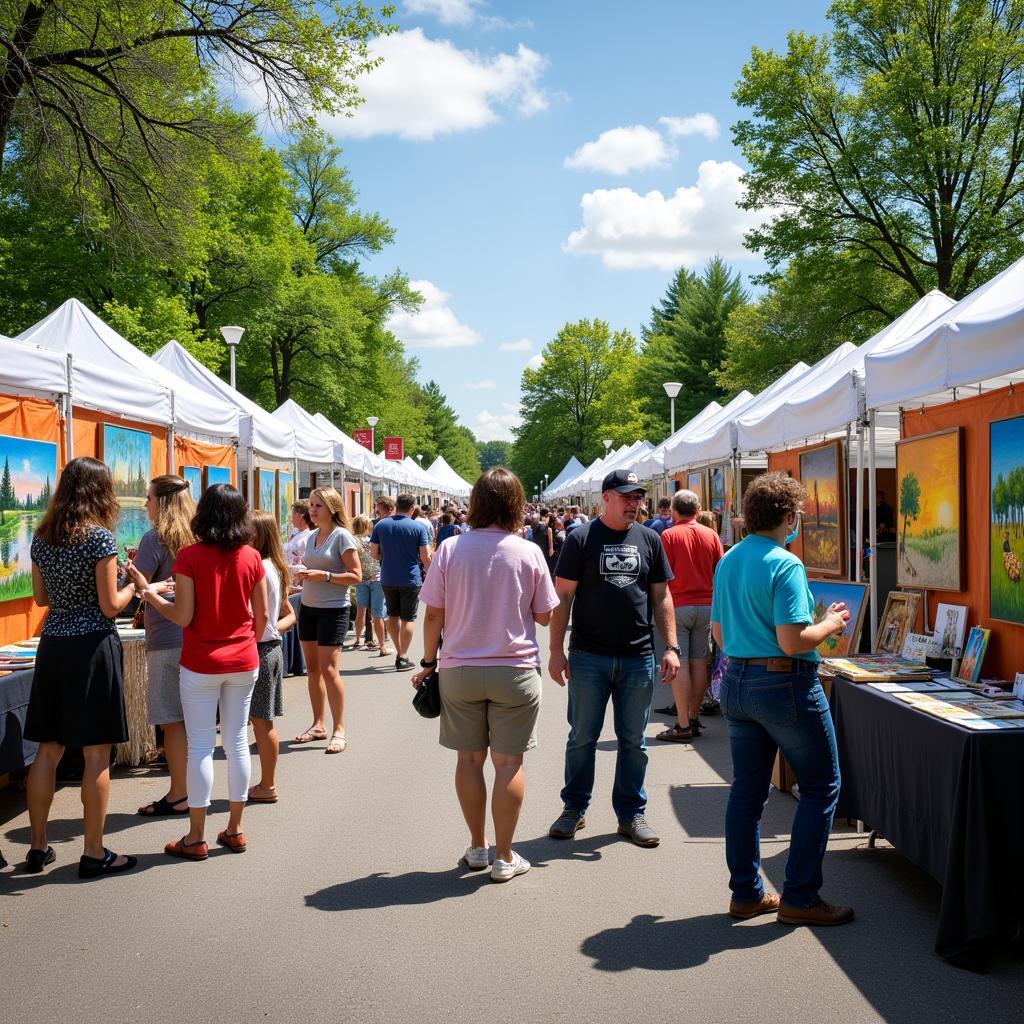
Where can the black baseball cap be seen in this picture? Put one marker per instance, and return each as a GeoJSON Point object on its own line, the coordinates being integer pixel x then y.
{"type": "Point", "coordinates": [623, 482]}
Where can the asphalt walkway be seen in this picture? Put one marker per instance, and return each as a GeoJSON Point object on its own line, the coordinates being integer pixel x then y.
{"type": "Point", "coordinates": [349, 905]}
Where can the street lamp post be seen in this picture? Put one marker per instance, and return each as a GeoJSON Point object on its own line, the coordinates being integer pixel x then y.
{"type": "Point", "coordinates": [373, 421]}
{"type": "Point", "coordinates": [232, 336]}
{"type": "Point", "coordinates": [672, 388]}
{"type": "Point", "coordinates": [547, 476]}
{"type": "Point", "coordinates": [607, 446]}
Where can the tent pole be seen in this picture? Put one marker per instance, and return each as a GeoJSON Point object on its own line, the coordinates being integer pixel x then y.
{"type": "Point", "coordinates": [872, 531]}
{"type": "Point", "coordinates": [170, 439]}
{"type": "Point", "coordinates": [69, 428]}
{"type": "Point", "coordinates": [252, 478]}
{"type": "Point", "coordinates": [859, 510]}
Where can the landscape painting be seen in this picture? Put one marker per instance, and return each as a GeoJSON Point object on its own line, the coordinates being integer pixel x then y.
{"type": "Point", "coordinates": [1006, 520]}
{"type": "Point", "coordinates": [695, 483]}
{"type": "Point", "coordinates": [285, 500]}
{"type": "Point", "coordinates": [928, 511]}
{"type": "Point", "coordinates": [718, 496]}
{"type": "Point", "coordinates": [266, 493]}
{"type": "Point", "coordinates": [27, 482]}
{"type": "Point", "coordinates": [854, 596]}
{"type": "Point", "coordinates": [193, 476]}
{"type": "Point", "coordinates": [822, 525]}
{"type": "Point", "coordinates": [215, 475]}
{"type": "Point", "coordinates": [127, 454]}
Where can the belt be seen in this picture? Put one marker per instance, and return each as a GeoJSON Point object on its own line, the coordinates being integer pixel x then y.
{"type": "Point", "coordinates": [774, 664]}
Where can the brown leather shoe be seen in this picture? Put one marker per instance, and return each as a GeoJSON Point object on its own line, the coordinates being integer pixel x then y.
{"type": "Point", "coordinates": [818, 913]}
{"type": "Point", "coordinates": [235, 843]}
{"type": "Point", "coordinates": [188, 851]}
{"type": "Point", "coordinates": [767, 904]}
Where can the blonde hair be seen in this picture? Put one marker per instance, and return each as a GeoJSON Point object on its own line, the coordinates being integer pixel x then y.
{"type": "Point", "coordinates": [706, 518]}
{"type": "Point", "coordinates": [333, 500]}
{"type": "Point", "coordinates": [361, 526]}
{"type": "Point", "coordinates": [175, 508]}
{"type": "Point", "coordinates": [266, 539]}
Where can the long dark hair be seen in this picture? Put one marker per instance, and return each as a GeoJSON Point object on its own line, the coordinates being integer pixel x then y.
{"type": "Point", "coordinates": [222, 518]}
{"type": "Point", "coordinates": [84, 498]}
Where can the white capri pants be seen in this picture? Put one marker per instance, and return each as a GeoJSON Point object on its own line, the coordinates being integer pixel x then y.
{"type": "Point", "coordinates": [200, 694]}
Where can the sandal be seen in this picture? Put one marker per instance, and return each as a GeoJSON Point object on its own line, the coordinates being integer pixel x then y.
{"type": "Point", "coordinates": [163, 808]}
{"type": "Point", "coordinates": [373, 646]}
{"type": "Point", "coordinates": [677, 734]}
{"type": "Point", "coordinates": [235, 843]}
{"type": "Point", "coordinates": [337, 745]}
{"type": "Point", "coordinates": [310, 735]}
{"type": "Point", "coordinates": [36, 860]}
{"type": "Point", "coordinates": [94, 867]}
{"type": "Point", "coordinates": [272, 799]}
{"type": "Point", "coordinates": [188, 851]}
{"type": "Point", "coordinates": [384, 652]}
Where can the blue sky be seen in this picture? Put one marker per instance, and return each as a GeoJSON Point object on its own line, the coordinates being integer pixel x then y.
{"type": "Point", "coordinates": [487, 130]}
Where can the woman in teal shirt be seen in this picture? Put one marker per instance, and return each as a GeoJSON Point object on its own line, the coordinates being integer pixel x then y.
{"type": "Point", "coordinates": [762, 617]}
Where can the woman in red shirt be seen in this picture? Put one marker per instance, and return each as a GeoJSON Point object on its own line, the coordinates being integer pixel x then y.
{"type": "Point", "coordinates": [221, 604]}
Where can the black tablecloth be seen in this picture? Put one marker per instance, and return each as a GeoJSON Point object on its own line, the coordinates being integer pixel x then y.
{"type": "Point", "coordinates": [949, 799]}
{"type": "Point", "coordinates": [15, 750]}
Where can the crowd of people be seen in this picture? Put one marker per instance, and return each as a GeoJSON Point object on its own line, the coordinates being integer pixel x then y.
{"type": "Point", "coordinates": [635, 596]}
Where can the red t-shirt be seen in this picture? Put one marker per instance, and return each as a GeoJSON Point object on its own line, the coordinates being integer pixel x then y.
{"type": "Point", "coordinates": [693, 552]}
{"type": "Point", "coordinates": [221, 637]}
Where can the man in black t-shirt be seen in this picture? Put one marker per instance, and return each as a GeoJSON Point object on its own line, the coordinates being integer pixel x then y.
{"type": "Point", "coordinates": [612, 574]}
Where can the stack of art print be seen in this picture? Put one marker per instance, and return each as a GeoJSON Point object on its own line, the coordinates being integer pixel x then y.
{"type": "Point", "coordinates": [266, 491]}
{"type": "Point", "coordinates": [1006, 520]}
{"type": "Point", "coordinates": [127, 454]}
{"type": "Point", "coordinates": [285, 500]}
{"type": "Point", "coordinates": [928, 511]}
{"type": "Point", "coordinates": [193, 476]}
{"type": "Point", "coordinates": [854, 596]}
{"type": "Point", "coordinates": [28, 478]}
{"type": "Point", "coordinates": [899, 617]}
{"type": "Point", "coordinates": [822, 524]}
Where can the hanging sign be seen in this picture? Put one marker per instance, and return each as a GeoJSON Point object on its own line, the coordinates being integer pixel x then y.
{"type": "Point", "coordinates": [363, 437]}
{"type": "Point", "coordinates": [394, 449]}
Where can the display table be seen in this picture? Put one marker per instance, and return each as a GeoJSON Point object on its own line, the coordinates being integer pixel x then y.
{"type": "Point", "coordinates": [15, 751]}
{"type": "Point", "coordinates": [291, 649]}
{"type": "Point", "coordinates": [948, 799]}
{"type": "Point", "coordinates": [141, 744]}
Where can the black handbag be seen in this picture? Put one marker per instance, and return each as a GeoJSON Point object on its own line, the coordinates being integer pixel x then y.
{"type": "Point", "coordinates": [427, 699]}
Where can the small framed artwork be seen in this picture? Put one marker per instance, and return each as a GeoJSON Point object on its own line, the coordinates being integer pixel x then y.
{"type": "Point", "coordinates": [193, 476]}
{"type": "Point", "coordinates": [853, 595]}
{"type": "Point", "coordinates": [266, 491]}
{"type": "Point", "coordinates": [950, 627]}
{"type": "Point", "coordinates": [822, 527]}
{"type": "Point", "coordinates": [899, 618]}
{"type": "Point", "coordinates": [215, 475]}
{"type": "Point", "coordinates": [285, 500]}
{"type": "Point", "coordinates": [929, 517]}
{"type": "Point", "coordinates": [969, 669]}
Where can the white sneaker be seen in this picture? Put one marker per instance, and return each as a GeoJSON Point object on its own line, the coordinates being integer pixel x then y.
{"type": "Point", "coordinates": [504, 870]}
{"type": "Point", "coordinates": [475, 858]}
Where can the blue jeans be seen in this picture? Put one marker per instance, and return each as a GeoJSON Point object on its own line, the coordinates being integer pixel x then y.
{"type": "Point", "coordinates": [764, 712]}
{"type": "Point", "coordinates": [370, 594]}
{"type": "Point", "coordinates": [629, 682]}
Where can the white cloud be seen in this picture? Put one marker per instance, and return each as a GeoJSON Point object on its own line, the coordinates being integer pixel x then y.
{"type": "Point", "coordinates": [428, 87]}
{"type": "Point", "coordinates": [535, 362]}
{"type": "Point", "coordinates": [522, 345]}
{"type": "Point", "coordinates": [621, 150]}
{"type": "Point", "coordinates": [497, 426]}
{"type": "Point", "coordinates": [482, 385]}
{"type": "Point", "coordinates": [433, 325]}
{"type": "Point", "coordinates": [695, 124]}
{"type": "Point", "coordinates": [448, 12]}
{"type": "Point", "coordinates": [628, 230]}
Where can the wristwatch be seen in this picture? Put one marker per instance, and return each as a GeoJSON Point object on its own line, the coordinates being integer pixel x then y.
{"type": "Point", "coordinates": [427, 664]}
{"type": "Point", "coordinates": [674, 647]}
{"type": "Point", "coordinates": [329, 577]}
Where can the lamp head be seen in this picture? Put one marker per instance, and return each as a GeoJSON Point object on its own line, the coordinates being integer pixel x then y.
{"type": "Point", "coordinates": [672, 388]}
{"type": "Point", "coordinates": [232, 335]}
{"type": "Point", "coordinates": [372, 420]}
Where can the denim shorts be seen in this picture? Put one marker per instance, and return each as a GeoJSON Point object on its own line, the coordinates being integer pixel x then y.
{"type": "Point", "coordinates": [370, 594]}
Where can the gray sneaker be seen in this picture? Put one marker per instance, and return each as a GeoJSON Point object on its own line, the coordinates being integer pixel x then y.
{"type": "Point", "coordinates": [567, 824]}
{"type": "Point", "coordinates": [639, 831]}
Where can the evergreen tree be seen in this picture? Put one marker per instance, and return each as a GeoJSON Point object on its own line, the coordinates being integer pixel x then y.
{"type": "Point", "coordinates": [7, 499]}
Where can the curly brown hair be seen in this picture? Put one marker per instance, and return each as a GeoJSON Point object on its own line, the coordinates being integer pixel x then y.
{"type": "Point", "coordinates": [84, 498]}
{"type": "Point", "coordinates": [769, 499]}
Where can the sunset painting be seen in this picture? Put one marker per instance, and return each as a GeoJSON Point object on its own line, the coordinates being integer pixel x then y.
{"type": "Point", "coordinates": [822, 525]}
{"type": "Point", "coordinates": [928, 511]}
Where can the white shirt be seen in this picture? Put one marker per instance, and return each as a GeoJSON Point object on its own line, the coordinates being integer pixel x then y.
{"type": "Point", "coordinates": [295, 546]}
{"type": "Point", "coordinates": [273, 601]}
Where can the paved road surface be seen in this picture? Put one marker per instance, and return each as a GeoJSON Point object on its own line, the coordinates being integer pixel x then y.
{"type": "Point", "coordinates": [349, 906]}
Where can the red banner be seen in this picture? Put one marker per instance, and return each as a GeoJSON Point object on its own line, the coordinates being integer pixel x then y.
{"type": "Point", "coordinates": [363, 437]}
{"type": "Point", "coordinates": [394, 448]}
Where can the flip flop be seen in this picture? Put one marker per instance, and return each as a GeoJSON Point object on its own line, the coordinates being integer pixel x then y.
{"type": "Point", "coordinates": [96, 867]}
{"type": "Point", "coordinates": [162, 808]}
{"type": "Point", "coordinates": [262, 799]}
{"type": "Point", "coordinates": [310, 736]}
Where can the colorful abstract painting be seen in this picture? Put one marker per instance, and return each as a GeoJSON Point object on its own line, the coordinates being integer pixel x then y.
{"type": "Point", "coordinates": [854, 596]}
{"type": "Point", "coordinates": [127, 454]}
{"type": "Point", "coordinates": [1006, 520]}
{"type": "Point", "coordinates": [285, 500]}
{"type": "Point", "coordinates": [193, 476]}
{"type": "Point", "coordinates": [822, 525]}
{"type": "Point", "coordinates": [28, 478]}
{"type": "Point", "coordinates": [928, 512]}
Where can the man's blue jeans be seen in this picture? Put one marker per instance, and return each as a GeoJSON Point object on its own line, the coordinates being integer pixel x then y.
{"type": "Point", "coordinates": [766, 711]}
{"type": "Point", "coordinates": [629, 682]}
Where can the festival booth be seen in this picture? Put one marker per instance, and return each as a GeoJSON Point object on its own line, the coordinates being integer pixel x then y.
{"type": "Point", "coordinates": [572, 488]}
{"type": "Point", "coordinates": [387, 474]}
{"type": "Point", "coordinates": [650, 464]}
{"type": "Point", "coordinates": [620, 459]}
{"type": "Point", "coordinates": [440, 470]}
{"type": "Point", "coordinates": [569, 471]}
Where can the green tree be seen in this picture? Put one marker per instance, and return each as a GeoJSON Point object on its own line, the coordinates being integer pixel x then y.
{"type": "Point", "coordinates": [448, 437]}
{"type": "Point", "coordinates": [7, 498]}
{"type": "Point", "coordinates": [493, 453]}
{"type": "Point", "coordinates": [584, 391]}
{"type": "Point", "coordinates": [910, 503]}
{"type": "Point", "coordinates": [897, 142]}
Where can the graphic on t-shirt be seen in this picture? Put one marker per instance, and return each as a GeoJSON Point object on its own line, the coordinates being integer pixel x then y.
{"type": "Point", "coordinates": [620, 564]}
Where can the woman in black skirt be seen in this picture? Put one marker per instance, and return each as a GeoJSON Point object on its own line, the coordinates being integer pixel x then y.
{"type": "Point", "coordinates": [77, 698]}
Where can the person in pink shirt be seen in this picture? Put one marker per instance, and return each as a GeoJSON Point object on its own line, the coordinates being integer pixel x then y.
{"type": "Point", "coordinates": [486, 591]}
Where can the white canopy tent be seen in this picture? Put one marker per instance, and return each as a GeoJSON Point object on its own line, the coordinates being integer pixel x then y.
{"type": "Point", "coordinates": [569, 471]}
{"type": "Point", "coordinates": [376, 467]}
{"type": "Point", "coordinates": [75, 329]}
{"type": "Point", "coordinates": [591, 483]}
{"type": "Point", "coordinates": [678, 452]}
{"type": "Point", "coordinates": [312, 445]}
{"type": "Point", "coordinates": [650, 464]}
{"type": "Point", "coordinates": [457, 486]}
{"type": "Point", "coordinates": [571, 487]}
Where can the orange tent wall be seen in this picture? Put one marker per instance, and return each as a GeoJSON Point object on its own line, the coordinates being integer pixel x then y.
{"type": "Point", "coordinates": [88, 435]}
{"type": "Point", "coordinates": [189, 452]}
{"type": "Point", "coordinates": [789, 462]}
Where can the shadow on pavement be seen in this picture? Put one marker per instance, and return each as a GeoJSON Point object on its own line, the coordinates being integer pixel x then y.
{"type": "Point", "coordinates": [654, 944]}
{"type": "Point", "coordinates": [18, 881]}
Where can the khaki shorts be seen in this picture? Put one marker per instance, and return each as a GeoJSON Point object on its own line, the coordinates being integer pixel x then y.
{"type": "Point", "coordinates": [494, 706]}
{"type": "Point", "coordinates": [693, 624]}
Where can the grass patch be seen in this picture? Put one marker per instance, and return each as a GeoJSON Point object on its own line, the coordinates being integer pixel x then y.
{"type": "Point", "coordinates": [1006, 597]}
{"type": "Point", "coordinates": [11, 525]}
{"type": "Point", "coordinates": [15, 586]}
{"type": "Point", "coordinates": [933, 545]}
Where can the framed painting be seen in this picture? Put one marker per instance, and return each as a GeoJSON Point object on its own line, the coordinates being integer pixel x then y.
{"type": "Point", "coordinates": [127, 454]}
{"type": "Point", "coordinates": [285, 500]}
{"type": "Point", "coordinates": [1006, 520]}
{"type": "Point", "coordinates": [718, 488]}
{"type": "Point", "coordinates": [899, 617]}
{"type": "Point", "coordinates": [950, 626]}
{"type": "Point", "coordinates": [695, 483]}
{"type": "Point", "coordinates": [823, 524]}
{"type": "Point", "coordinates": [854, 596]}
{"type": "Point", "coordinates": [215, 475]}
{"type": "Point", "coordinates": [193, 476]}
{"type": "Point", "coordinates": [266, 491]}
{"type": "Point", "coordinates": [27, 482]}
{"type": "Point", "coordinates": [929, 512]}
{"type": "Point", "coordinates": [969, 669]}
